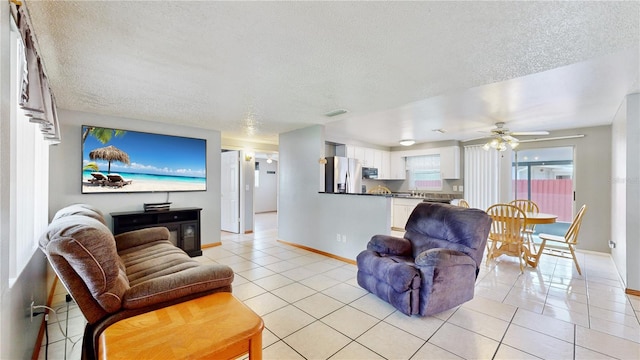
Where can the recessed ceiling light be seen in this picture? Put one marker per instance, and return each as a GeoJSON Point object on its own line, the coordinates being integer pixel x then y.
{"type": "Point", "coordinates": [335, 112]}
{"type": "Point", "coordinates": [407, 142]}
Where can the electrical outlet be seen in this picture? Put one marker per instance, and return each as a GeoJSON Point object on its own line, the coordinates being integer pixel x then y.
{"type": "Point", "coordinates": [460, 188]}
{"type": "Point", "coordinates": [344, 238]}
{"type": "Point", "coordinates": [338, 238]}
{"type": "Point", "coordinates": [455, 187]}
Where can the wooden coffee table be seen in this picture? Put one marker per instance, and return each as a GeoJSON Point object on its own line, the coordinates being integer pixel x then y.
{"type": "Point", "coordinates": [216, 326]}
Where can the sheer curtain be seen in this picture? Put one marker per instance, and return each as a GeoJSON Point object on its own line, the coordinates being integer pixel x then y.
{"type": "Point", "coordinates": [481, 176]}
{"type": "Point", "coordinates": [32, 127]}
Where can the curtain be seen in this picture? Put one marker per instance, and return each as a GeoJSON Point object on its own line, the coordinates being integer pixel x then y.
{"type": "Point", "coordinates": [36, 98]}
{"type": "Point", "coordinates": [481, 176]}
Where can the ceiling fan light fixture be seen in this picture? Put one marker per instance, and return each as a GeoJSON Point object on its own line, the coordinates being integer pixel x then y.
{"type": "Point", "coordinates": [407, 142]}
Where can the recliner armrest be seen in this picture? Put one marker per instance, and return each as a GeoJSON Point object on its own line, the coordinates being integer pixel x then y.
{"type": "Point", "coordinates": [390, 245]}
{"type": "Point", "coordinates": [440, 257]}
{"type": "Point", "coordinates": [140, 237]}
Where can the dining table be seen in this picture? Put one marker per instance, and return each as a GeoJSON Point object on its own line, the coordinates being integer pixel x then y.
{"type": "Point", "coordinates": [540, 218]}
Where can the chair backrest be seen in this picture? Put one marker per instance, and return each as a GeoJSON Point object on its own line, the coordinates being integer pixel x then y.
{"type": "Point", "coordinates": [82, 251]}
{"type": "Point", "coordinates": [463, 203]}
{"type": "Point", "coordinates": [526, 205]}
{"type": "Point", "coordinates": [508, 223]}
{"type": "Point", "coordinates": [380, 190]}
{"type": "Point", "coordinates": [436, 225]}
{"type": "Point", "coordinates": [571, 235]}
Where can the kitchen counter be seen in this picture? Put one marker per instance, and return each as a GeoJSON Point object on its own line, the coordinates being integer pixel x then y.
{"type": "Point", "coordinates": [396, 195]}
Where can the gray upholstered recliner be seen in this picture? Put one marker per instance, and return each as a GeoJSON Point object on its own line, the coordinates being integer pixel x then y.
{"type": "Point", "coordinates": [434, 267]}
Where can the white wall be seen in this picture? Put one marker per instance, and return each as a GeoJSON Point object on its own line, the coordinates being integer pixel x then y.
{"type": "Point", "coordinates": [619, 190]}
{"type": "Point", "coordinates": [66, 165]}
{"type": "Point", "coordinates": [266, 194]}
{"type": "Point", "coordinates": [625, 191]}
{"type": "Point", "coordinates": [311, 219]}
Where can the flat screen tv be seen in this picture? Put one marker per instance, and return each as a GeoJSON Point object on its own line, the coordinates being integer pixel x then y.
{"type": "Point", "coordinates": [116, 160]}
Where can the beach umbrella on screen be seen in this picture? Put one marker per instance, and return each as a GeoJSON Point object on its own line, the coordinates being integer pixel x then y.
{"type": "Point", "coordinates": [109, 153]}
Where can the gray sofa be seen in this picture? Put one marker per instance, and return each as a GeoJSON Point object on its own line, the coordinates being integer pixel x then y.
{"type": "Point", "coordinates": [112, 278]}
{"type": "Point", "coordinates": [434, 266]}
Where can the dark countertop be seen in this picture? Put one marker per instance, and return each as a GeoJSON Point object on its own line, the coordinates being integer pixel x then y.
{"type": "Point", "coordinates": [395, 195]}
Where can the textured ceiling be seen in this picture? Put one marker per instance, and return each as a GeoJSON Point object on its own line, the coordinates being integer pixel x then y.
{"type": "Point", "coordinates": [400, 68]}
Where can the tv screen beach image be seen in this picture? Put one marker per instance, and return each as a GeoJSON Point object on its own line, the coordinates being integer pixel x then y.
{"type": "Point", "coordinates": [115, 160]}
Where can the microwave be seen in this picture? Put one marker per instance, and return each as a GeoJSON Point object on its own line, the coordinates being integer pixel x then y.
{"type": "Point", "coordinates": [369, 173]}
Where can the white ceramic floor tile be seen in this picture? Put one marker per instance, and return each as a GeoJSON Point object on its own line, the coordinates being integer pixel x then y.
{"type": "Point", "coordinates": [326, 341]}
{"type": "Point", "coordinates": [256, 273]}
{"type": "Point", "coordinates": [350, 321]}
{"type": "Point", "coordinates": [506, 352]}
{"type": "Point", "coordinates": [544, 324]}
{"type": "Point", "coordinates": [280, 351]}
{"type": "Point", "coordinates": [273, 282]}
{"type": "Point", "coordinates": [372, 305]}
{"type": "Point", "coordinates": [586, 354]}
{"type": "Point", "coordinates": [491, 307]}
{"type": "Point", "coordinates": [422, 327]}
{"type": "Point", "coordinates": [285, 321]}
{"type": "Point", "coordinates": [293, 292]}
{"type": "Point", "coordinates": [355, 351]}
{"type": "Point", "coordinates": [464, 343]}
{"type": "Point", "coordinates": [345, 293]}
{"type": "Point", "coordinates": [318, 305]}
{"type": "Point", "coordinates": [606, 344]}
{"type": "Point", "coordinates": [480, 323]}
{"type": "Point", "coordinates": [319, 282]}
{"type": "Point", "coordinates": [615, 329]}
{"type": "Point", "coordinates": [265, 303]}
{"type": "Point", "coordinates": [430, 351]}
{"type": "Point", "coordinates": [537, 344]}
{"type": "Point", "coordinates": [384, 338]}
{"type": "Point", "coordinates": [247, 291]}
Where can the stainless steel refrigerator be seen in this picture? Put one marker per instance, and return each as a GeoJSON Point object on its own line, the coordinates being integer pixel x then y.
{"type": "Point", "coordinates": [343, 175]}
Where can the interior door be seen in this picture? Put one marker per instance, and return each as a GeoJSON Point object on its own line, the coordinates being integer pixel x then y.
{"type": "Point", "coordinates": [230, 194]}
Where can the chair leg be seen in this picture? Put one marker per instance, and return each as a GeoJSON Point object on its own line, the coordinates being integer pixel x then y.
{"type": "Point", "coordinates": [575, 259]}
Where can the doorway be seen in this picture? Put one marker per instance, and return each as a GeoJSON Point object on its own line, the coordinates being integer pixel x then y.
{"type": "Point", "coordinates": [229, 191]}
{"type": "Point", "coordinates": [546, 176]}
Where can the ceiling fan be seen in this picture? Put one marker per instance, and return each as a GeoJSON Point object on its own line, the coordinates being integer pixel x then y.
{"type": "Point", "coordinates": [501, 137]}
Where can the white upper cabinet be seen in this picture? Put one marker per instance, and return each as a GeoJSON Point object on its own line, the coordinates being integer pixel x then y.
{"type": "Point", "coordinates": [397, 166]}
{"type": "Point", "coordinates": [450, 162]}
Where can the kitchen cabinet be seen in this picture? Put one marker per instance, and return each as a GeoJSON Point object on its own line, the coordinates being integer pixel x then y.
{"type": "Point", "coordinates": [397, 166]}
{"type": "Point", "coordinates": [384, 171]}
{"type": "Point", "coordinates": [401, 209]}
{"type": "Point", "coordinates": [450, 162]}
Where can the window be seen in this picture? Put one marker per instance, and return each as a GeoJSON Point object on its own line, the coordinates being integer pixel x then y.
{"type": "Point", "coordinates": [424, 172]}
{"type": "Point", "coordinates": [28, 173]}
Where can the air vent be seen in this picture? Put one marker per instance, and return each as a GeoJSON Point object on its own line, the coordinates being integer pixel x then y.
{"type": "Point", "coordinates": [335, 112]}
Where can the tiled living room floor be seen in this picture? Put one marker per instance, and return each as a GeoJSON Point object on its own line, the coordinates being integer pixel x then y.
{"type": "Point", "coordinates": [313, 308]}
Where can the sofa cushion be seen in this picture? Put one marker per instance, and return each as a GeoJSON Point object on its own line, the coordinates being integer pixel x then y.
{"type": "Point", "coordinates": [88, 247]}
{"type": "Point", "coordinates": [158, 272]}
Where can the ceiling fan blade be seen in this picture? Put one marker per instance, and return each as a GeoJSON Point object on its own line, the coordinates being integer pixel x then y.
{"type": "Point", "coordinates": [530, 133]}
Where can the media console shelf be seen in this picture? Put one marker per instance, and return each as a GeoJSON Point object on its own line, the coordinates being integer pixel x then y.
{"type": "Point", "coordinates": [183, 225]}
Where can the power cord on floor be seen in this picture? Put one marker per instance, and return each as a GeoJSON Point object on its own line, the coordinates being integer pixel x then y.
{"type": "Point", "coordinates": [64, 333]}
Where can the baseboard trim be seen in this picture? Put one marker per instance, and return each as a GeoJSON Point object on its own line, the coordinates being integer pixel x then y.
{"type": "Point", "coordinates": [349, 261]}
{"type": "Point", "coordinates": [205, 246]}
{"type": "Point", "coordinates": [632, 292]}
{"type": "Point", "coordinates": [37, 345]}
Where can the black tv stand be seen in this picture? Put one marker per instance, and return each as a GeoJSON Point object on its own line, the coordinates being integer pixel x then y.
{"type": "Point", "coordinates": [183, 225]}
